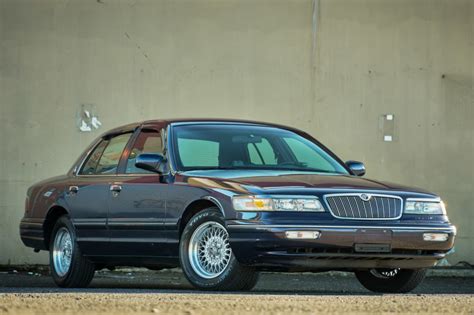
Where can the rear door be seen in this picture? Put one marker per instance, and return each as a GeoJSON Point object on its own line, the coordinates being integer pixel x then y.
{"type": "Point", "coordinates": [138, 202]}
{"type": "Point", "coordinates": [89, 193]}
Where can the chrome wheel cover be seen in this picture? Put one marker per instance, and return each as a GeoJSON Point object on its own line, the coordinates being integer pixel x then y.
{"type": "Point", "coordinates": [62, 251]}
{"type": "Point", "coordinates": [384, 273]}
{"type": "Point", "coordinates": [209, 250]}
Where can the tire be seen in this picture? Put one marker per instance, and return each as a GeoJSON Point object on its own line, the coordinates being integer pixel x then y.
{"type": "Point", "coordinates": [391, 280]}
{"type": "Point", "coordinates": [80, 271]}
{"type": "Point", "coordinates": [232, 277]}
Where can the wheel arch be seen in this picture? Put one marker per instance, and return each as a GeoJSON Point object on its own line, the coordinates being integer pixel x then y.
{"type": "Point", "coordinates": [197, 206]}
{"type": "Point", "coordinates": [54, 213]}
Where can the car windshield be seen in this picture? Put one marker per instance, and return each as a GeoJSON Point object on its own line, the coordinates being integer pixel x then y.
{"type": "Point", "coordinates": [240, 146]}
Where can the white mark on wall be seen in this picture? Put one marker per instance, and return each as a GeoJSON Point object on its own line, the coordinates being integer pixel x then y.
{"type": "Point", "coordinates": [87, 118]}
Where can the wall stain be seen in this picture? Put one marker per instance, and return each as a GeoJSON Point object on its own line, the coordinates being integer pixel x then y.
{"type": "Point", "coordinates": [142, 51]}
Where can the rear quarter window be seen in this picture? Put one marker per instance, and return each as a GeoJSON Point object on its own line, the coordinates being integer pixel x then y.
{"type": "Point", "coordinates": [106, 156]}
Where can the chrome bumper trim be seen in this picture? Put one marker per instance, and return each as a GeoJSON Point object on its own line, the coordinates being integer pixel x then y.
{"type": "Point", "coordinates": [451, 229]}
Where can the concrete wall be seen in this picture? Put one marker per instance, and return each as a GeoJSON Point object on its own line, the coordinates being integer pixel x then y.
{"type": "Point", "coordinates": [329, 67]}
{"type": "Point", "coordinates": [413, 59]}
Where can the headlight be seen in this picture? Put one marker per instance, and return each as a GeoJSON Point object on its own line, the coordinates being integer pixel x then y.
{"type": "Point", "coordinates": [277, 203]}
{"type": "Point", "coordinates": [425, 207]}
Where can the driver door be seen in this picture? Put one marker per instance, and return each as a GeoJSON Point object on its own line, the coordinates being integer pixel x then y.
{"type": "Point", "coordinates": [137, 202]}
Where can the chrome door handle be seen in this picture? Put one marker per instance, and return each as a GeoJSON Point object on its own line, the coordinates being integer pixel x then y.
{"type": "Point", "coordinates": [115, 188]}
{"type": "Point", "coordinates": [73, 189]}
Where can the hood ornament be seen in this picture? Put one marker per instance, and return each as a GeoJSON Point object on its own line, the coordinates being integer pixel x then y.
{"type": "Point", "coordinates": [365, 197]}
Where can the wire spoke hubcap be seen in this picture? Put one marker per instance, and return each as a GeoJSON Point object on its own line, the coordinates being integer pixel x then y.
{"type": "Point", "coordinates": [384, 273]}
{"type": "Point", "coordinates": [62, 251]}
{"type": "Point", "coordinates": [209, 250]}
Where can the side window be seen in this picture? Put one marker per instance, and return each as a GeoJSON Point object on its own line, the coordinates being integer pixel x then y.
{"type": "Point", "coordinates": [91, 164]}
{"type": "Point", "coordinates": [196, 152]}
{"type": "Point", "coordinates": [307, 156]}
{"type": "Point", "coordinates": [262, 153]}
{"type": "Point", "coordinates": [146, 142]}
{"type": "Point", "coordinates": [110, 158]}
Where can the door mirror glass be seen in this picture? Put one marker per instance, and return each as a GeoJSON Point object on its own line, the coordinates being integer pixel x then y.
{"type": "Point", "coordinates": [148, 141]}
{"type": "Point", "coordinates": [357, 168]}
{"type": "Point", "coordinates": [150, 162]}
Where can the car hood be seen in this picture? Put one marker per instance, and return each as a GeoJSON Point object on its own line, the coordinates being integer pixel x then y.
{"type": "Point", "coordinates": [267, 181]}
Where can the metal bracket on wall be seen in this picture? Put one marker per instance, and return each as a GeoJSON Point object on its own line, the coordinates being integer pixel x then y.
{"type": "Point", "coordinates": [387, 128]}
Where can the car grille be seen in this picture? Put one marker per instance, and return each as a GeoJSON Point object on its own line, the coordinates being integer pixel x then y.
{"type": "Point", "coordinates": [364, 206]}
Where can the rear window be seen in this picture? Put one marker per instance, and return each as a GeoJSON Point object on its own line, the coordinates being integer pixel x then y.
{"type": "Point", "coordinates": [262, 153]}
{"type": "Point", "coordinates": [197, 152]}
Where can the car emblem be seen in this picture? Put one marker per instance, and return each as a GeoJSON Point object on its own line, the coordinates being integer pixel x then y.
{"type": "Point", "coordinates": [365, 197]}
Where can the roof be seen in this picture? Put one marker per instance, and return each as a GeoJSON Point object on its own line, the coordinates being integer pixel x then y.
{"type": "Point", "coordinates": [162, 123]}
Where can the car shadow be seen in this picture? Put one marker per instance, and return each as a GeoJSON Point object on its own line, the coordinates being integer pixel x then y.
{"type": "Point", "coordinates": [269, 284]}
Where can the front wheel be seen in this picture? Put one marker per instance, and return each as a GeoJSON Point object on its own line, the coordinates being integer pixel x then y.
{"type": "Point", "coordinates": [68, 267]}
{"type": "Point", "coordinates": [206, 256]}
{"type": "Point", "coordinates": [391, 280]}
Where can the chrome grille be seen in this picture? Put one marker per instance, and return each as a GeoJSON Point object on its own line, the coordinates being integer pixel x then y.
{"type": "Point", "coordinates": [364, 206]}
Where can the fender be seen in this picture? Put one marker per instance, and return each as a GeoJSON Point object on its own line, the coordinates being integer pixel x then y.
{"type": "Point", "coordinates": [217, 202]}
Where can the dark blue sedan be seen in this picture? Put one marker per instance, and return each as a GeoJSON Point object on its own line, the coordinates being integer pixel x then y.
{"type": "Point", "coordinates": [225, 199]}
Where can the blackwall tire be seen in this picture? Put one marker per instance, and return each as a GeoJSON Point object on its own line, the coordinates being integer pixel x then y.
{"type": "Point", "coordinates": [80, 271]}
{"type": "Point", "coordinates": [403, 281]}
{"type": "Point", "coordinates": [206, 265]}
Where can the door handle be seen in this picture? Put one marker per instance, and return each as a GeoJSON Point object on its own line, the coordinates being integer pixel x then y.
{"type": "Point", "coordinates": [116, 188]}
{"type": "Point", "coordinates": [73, 189]}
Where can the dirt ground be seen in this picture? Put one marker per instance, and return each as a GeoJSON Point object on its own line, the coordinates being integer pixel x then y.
{"type": "Point", "coordinates": [167, 292]}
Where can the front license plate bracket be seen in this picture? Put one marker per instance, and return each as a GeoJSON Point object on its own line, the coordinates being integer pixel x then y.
{"type": "Point", "coordinates": [372, 248]}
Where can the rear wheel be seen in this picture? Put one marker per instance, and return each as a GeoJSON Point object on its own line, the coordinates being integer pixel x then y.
{"type": "Point", "coordinates": [69, 268]}
{"type": "Point", "coordinates": [391, 280]}
{"type": "Point", "coordinates": [206, 256]}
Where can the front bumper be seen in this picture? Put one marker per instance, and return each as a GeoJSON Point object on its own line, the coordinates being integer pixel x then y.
{"type": "Point", "coordinates": [339, 247]}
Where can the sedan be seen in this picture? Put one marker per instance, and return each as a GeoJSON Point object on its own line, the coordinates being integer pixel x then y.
{"type": "Point", "coordinates": [226, 199]}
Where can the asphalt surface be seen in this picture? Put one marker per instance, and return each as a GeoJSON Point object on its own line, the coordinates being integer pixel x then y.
{"type": "Point", "coordinates": [168, 292]}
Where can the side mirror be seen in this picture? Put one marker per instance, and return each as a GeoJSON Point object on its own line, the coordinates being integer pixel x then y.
{"type": "Point", "coordinates": [149, 161]}
{"type": "Point", "coordinates": [357, 168]}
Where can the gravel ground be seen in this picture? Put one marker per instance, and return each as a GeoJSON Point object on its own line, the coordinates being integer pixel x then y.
{"type": "Point", "coordinates": [167, 292]}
